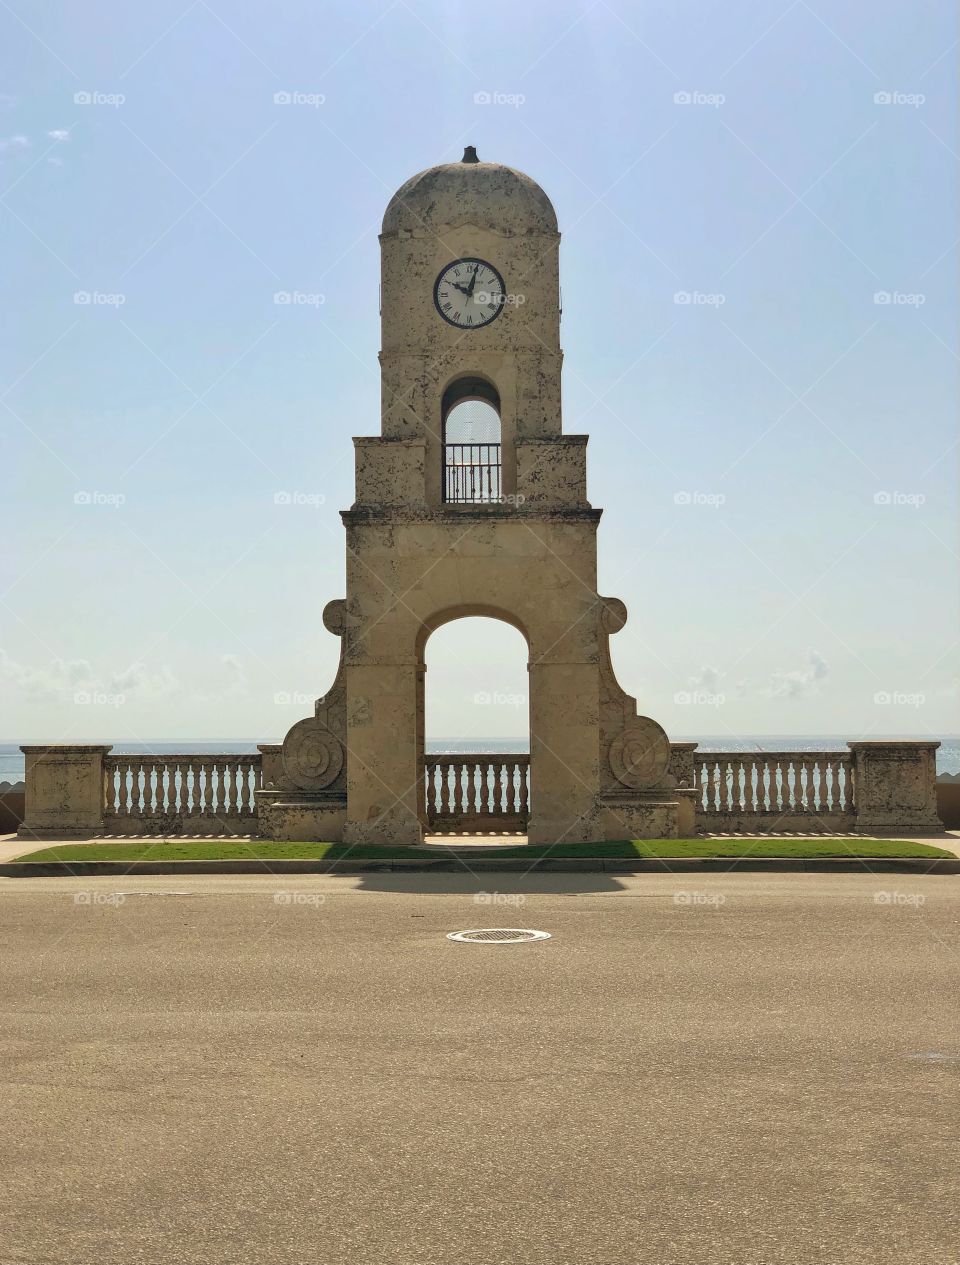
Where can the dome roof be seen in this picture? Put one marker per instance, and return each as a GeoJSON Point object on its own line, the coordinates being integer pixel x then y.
{"type": "Point", "coordinates": [470, 192]}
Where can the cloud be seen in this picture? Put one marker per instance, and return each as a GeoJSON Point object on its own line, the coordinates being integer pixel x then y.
{"type": "Point", "coordinates": [61, 680]}
{"type": "Point", "coordinates": [137, 681]}
{"type": "Point", "coordinates": [14, 143]}
{"type": "Point", "coordinates": [706, 679]}
{"type": "Point", "coordinates": [59, 134]}
{"type": "Point", "coordinates": [57, 681]}
{"type": "Point", "coordinates": [798, 682]}
{"type": "Point", "coordinates": [236, 674]}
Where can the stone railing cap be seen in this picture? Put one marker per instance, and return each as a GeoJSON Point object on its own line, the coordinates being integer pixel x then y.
{"type": "Point", "coordinates": [929, 744]}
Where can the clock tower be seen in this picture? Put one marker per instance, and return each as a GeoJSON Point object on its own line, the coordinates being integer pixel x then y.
{"type": "Point", "coordinates": [444, 526]}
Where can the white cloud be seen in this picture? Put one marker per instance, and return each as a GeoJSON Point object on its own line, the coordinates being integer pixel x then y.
{"type": "Point", "coordinates": [61, 680]}
{"type": "Point", "coordinates": [137, 682]}
{"type": "Point", "coordinates": [13, 142]}
{"type": "Point", "coordinates": [59, 134]}
{"type": "Point", "coordinates": [706, 679]}
{"type": "Point", "coordinates": [54, 682]}
{"type": "Point", "coordinates": [798, 682]}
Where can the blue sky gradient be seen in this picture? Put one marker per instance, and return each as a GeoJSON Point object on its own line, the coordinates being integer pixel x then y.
{"type": "Point", "coordinates": [776, 458]}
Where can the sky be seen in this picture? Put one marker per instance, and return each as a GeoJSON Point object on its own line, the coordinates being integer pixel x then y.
{"type": "Point", "coordinates": [758, 208]}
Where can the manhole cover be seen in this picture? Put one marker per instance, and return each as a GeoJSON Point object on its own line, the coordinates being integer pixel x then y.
{"type": "Point", "coordinates": [498, 935]}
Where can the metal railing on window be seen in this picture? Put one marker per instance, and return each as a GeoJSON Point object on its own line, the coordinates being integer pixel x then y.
{"type": "Point", "coordinates": [471, 473]}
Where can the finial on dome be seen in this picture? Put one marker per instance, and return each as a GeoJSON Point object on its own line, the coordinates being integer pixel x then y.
{"type": "Point", "coordinates": [469, 155]}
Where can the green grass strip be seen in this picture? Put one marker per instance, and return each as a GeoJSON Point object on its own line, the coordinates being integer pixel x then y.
{"type": "Point", "coordinates": [262, 849]}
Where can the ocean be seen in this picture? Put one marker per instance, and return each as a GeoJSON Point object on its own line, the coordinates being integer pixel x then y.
{"type": "Point", "coordinates": [948, 757]}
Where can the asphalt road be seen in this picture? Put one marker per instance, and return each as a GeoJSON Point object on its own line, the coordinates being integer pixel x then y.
{"type": "Point", "coordinates": [708, 1071]}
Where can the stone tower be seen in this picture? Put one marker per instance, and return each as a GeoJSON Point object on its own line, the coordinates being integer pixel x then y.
{"type": "Point", "coordinates": [470, 310]}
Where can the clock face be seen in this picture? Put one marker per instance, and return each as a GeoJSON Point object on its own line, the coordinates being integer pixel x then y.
{"type": "Point", "coordinates": [469, 293]}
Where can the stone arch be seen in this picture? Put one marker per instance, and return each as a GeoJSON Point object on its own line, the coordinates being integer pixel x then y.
{"type": "Point", "coordinates": [439, 619]}
{"type": "Point", "coordinates": [472, 448]}
{"type": "Point", "coordinates": [465, 387]}
{"type": "Point", "coordinates": [467, 610]}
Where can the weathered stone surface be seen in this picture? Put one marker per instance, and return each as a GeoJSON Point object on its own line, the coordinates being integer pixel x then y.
{"type": "Point", "coordinates": [414, 562]}
{"type": "Point", "coordinates": [65, 793]}
{"type": "Point", "coordinates": [895, 785]}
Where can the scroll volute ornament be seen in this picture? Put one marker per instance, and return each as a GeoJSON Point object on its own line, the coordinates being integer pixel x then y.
{"type": "Point", "coordinates": [312, 756]}
{"type": "Point", "coordinates": [640, 755]}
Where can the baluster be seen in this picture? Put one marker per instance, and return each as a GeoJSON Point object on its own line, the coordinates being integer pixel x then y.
{"type": "Point", "coordinates": [503, 796]}
{"type": "Point", "coordinates": [716, 771]}
{"type": "Point", "coordinates": [724, 786]}
{"type": "Point", "coordinates": [185, 788]}
{"type": "Point", "coordinates": [796, 787]}
{"type": "Point", "coordinates": [522, 768]}
{"type": "Point", "coordinates": [828, 793]}
{"type": "Point", "coordinates": [804, 785]}
{"type": "Point", "coordinates": [758, 795]}
{"type": "Point", "coordinates": [243, 786]}
{"type": "Point", "coordinates": [139, 796]}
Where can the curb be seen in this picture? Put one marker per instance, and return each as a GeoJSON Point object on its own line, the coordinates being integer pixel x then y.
{"type": "Point", "coordinates": [610, 865]}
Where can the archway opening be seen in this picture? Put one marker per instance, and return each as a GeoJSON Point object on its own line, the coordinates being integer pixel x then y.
{"type": "Point", "coordinates": [476, 728]}
{"type": "Point", "coordinates": [472, 451]}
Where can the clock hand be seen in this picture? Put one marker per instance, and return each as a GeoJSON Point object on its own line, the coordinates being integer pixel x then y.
{"type": "Point", "coordinates": [473, 282]}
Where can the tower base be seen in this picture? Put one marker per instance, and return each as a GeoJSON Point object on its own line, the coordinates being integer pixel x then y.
{"type": "Point", "coordinates": [301, 816]}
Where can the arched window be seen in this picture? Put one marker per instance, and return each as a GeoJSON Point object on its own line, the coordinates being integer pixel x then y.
{"type": "Point", "coordinates": [471, 442]}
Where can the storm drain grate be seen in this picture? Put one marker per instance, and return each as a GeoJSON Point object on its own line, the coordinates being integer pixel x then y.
{"type": "Point", "coordinates": [498, 935]}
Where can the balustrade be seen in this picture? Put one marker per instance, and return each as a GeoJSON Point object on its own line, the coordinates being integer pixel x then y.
{"type": "Point", "coordinates": [139, 789]}
{"type": "Point", "coordinates": [774, 783]}
{"type": "Point", "coordinates": [477, 792]}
